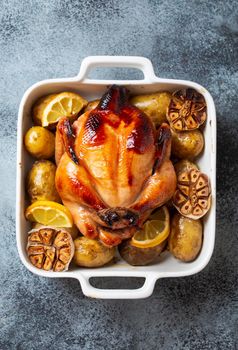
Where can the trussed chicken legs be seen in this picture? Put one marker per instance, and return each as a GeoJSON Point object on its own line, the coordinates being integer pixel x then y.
{"type": "Point", "coordinates": [113, 168]}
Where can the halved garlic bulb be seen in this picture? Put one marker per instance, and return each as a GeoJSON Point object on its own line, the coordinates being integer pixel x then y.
{"type": "Point", "coordinates": [193, 195]}
{"type": "Point", "coordinates": [50, 248]}
{"type": "Point", "coordinates": [187, 110]}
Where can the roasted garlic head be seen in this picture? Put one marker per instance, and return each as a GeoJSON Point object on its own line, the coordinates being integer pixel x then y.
{"type": "Point", "coordinates": [187, 110]}
{"type": "Point", "coordinates": [50, 248]}
{"type": "Point", "coordinates": [193, 195]}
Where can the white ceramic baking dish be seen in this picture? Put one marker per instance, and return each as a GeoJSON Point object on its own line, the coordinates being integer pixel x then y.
{"type": "Point", "coordinates": [91, 89]}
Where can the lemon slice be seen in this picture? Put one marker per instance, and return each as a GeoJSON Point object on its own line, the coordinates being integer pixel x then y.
{"type": "Point", "coordinates": [49, 213]}
{"type": "Point", "coordinates": [49, 109]}
{"type": "Point", "coordinates": [155, 230]}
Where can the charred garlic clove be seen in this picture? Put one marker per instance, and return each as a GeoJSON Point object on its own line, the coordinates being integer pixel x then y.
{"type": "Point", "coordinates": [50, 248]}
{"type": "Point", "coordinates": [193, 195]}
{"type": "Point", "coordinates": [187, 110]}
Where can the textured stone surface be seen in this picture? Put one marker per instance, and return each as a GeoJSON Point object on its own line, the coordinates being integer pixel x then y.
{"type": "Point", "coordinates": [195, 40]}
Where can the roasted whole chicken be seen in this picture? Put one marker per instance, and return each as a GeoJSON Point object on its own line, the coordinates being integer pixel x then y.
{"type": "Point", "coordinates": [113, 168]}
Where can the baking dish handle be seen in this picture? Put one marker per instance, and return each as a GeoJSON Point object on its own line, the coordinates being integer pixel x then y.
{"type": "Point", "coordinates": [143, 292]}
{"type": "Point", "coordinates": [137, 62]}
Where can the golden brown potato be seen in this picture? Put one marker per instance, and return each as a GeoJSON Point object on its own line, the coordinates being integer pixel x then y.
{"type": "Point", "coordinates": [41, 182]}
{"type": "Point", "coordinates": [185, 239]}
{"type": "Point", "coordinates": [91, 105]}
{"type": "Point", "coordinates": [154, 105]}
{"type": "Point", "coordinates": [187, 144]}
{"type": "Point", "coordinates": [40, 142]}
{"type": "Point", "coordinates": [91, 253]}
{"type": "Point", "coordinates": [184, 165]}
{"type": "Point", "coordinates": [140, 256]}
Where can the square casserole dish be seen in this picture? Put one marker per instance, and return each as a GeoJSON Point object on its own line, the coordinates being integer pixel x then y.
{"type": "Point", "coordinates": [168, 266]}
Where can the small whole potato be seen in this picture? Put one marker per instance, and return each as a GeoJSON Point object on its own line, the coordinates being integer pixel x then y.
{"type": "Point", "coordinates": [40, 142]}
{"type": "Point", "coordinates": [185, 239]}
{"type": "Point", "coordinates": [41, 182]}
{"type": "Point", "coordinates": [187, 144]}
{"type": "Point", "coordinates": [154, 105]}
{"type": "Point", "coordinates": [184, 165]}
{"type": "Point", "coordinates": [91, 253]}
{"type": "Point", "coordinates": [140, 256]}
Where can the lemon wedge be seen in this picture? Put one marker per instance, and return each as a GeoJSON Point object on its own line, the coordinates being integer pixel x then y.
{"type": "Point", "coordinates": [49, 109]}
{"type": "Point", "coordinates": [155, 230]}
{"type": "Point", "coordinates": [49, 213]}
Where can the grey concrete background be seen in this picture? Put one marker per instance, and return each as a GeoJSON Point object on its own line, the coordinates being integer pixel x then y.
{"type": "Point", "coordinates": [195, 40]}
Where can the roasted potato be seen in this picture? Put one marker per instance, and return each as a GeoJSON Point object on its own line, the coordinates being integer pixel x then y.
{"type": "Point", "coordinates": [185, 239]}
{"type": "Point", "coordinates": [91, 105]}
{"type": "Point", "coordinates": [41, 182]}
{"type": "Point", "coordinates": [154, 105]}
{"type": "Point", "coordinates": [91, 253]}
{"type": "Point", "coordinates": [40, 142]}
{"type": "Point", "coordinates": [184, 165]}
{"type": "Point", "coordinates": [140, 256]}
{"type": "Point", "coordinates": [187, 144]}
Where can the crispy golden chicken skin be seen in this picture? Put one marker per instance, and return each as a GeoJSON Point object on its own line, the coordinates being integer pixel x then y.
{"type": "Point", "coordinates": [113, 168]}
